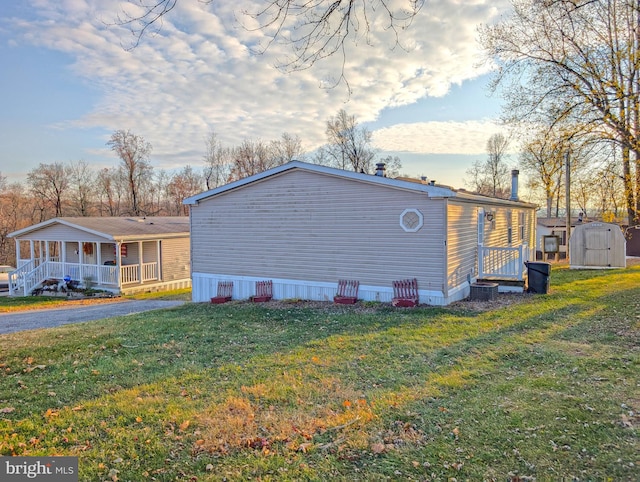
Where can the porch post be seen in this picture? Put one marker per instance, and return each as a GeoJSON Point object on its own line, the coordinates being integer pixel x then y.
{"type": "Point", "coordinates": [99, 261]}
{"type": "Point", "coordinates": [80, 259]}
{"type": "Point", "coordinates": [17, 253]}
{"type": "Point", "coordinates": [47, 258]}
{"type": "Point", "coordinates": [63, 257]}
{"type": "Point", "coordinates": [140, 260]}
{"type": "Point", "coordinates": [119, 266]}
{"type": "Point", "coordinates": [158, 261]}
{"type": "Point", "coordinates": [32, 251]}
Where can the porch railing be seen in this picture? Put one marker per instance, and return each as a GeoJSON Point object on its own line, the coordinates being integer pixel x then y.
{"type": "Point", "coordinates": [149, 271]}
{"type": "Point", "coordinates": [135, 273]}
{"type": "Point", "coordinates": [29, 275]}
{"type": "Point", "coordinates": [26, 277]}
{"type": "Point", "coordinates": [129, 274]}
{"type": "Point", "coordinates": [502, 263]}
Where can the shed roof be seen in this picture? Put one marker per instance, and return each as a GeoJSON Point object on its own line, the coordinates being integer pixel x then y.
{"type": "Point", "coordinates": [431, 190]}
{"type": "Point", "coordinates": [119, 228]}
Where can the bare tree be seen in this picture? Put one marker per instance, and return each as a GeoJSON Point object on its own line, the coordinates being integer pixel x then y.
{"type": "Point", "coordinates": [109, 192]}
{"type": "Point", "coordinates": [134, 153]}
{"type": "Point", "coordinates": [82, 188]}
{"type": "Point", "coordinates": [542, 157]}
{"type": "Point", "coordinates": [249, 158]}
{"type": "Point", "coordinates": [312, 30]}
{"type": "Point", "coordinates": [183, 184]}
{"type": "Point", "coordinates": [349, 145]}
{"type": "Point", "coordinates": [217, 169]}
{"type": "Point", "coordinates": [576, 60]}
{"type": "Point", "coordinates": [491, 177]}
{"type": "Point", "coordinates": [49, 184]}
{"type": "Point", "coordinates": [393, 164]}
{"type": "Point", "coordinates": [16, 209]}
{"type": "Point", "coordinates": [286, 149]}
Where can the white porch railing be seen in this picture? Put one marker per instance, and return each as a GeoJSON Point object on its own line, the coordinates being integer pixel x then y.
{"type": "Point", "coordinates": [30, 274]}
{"type": "Point", "coordinates": [132, 273]}
{"type": "Point", "coordinates": [502, 263]}
{"type": "Point", "coordinates": [129, 274]}
{"type": "Point", "coordinates": [149, 271]}
{"type": "Point", "coordinates": [26, 277]}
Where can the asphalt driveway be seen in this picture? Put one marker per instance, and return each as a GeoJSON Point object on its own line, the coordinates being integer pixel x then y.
{"type": "Point", "coordinates": [47, 318]}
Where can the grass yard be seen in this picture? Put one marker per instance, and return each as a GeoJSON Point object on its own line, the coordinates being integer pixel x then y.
{"type": "Point", "coordinates": [543, 387]}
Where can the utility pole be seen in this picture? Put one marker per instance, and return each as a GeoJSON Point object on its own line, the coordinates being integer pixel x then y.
{"type": "Point", "coordinates": [567, 189]}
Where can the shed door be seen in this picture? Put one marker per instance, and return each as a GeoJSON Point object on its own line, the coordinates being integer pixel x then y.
{"type": "Point", "coordinates": [596, 250]}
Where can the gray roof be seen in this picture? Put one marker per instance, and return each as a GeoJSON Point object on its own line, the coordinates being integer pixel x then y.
{"type": "Point", "coordinates": [120, 228]}
{"type": "Point", "coordinates": [430, 190]}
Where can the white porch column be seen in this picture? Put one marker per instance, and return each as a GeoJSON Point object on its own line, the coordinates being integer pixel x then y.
{"type": "Point", "coordinates": [158, 246]}
{"type": "Point", "coordinates": [17, 253]}
{"type": "Point", "coordinates": [32, 251]}
{"type": "Point", "coordinates": [140, 260]}
{"type": "Point", "coordinates": [118, 265]}
{"type": "Point", "coordinates": [80, 260]}
{"type": "Point", "coordinates": [99, 261]}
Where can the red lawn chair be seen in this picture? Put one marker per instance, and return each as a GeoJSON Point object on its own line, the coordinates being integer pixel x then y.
{"type": "Point", "coordinates": [264, 291]}
{"type": "Point", "coordinates": [347, 292]}
{"type": "Point", "coordinates": [405, 293]}
{"type": "Point", "coordinates": [225, 289]}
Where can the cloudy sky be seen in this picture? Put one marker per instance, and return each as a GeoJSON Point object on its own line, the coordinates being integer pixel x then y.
{"type": "Point", "coordinates": [69, 79]}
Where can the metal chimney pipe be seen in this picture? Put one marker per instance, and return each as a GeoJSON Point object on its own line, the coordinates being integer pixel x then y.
{"type": "Point", "coordinates": [514, 185]}
{"type": "Point", "coordinates": [380, 169]}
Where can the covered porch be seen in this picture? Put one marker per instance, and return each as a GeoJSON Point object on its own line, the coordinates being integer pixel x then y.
{"type": "Point", "coordinates": [112, 266]}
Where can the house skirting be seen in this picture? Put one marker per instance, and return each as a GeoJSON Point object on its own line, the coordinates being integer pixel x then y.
{"type": "Point", "coordinates": [205, 287]}
{"type": "Point", "coordinates": [154, 287]}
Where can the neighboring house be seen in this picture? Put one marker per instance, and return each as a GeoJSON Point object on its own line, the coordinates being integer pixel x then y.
{"type": "Point", "coordinates": [553, 227]}
{"type": "Point", "coordinates": [119, 254]}
{"type": "Point", "coordinates": [305, 226]}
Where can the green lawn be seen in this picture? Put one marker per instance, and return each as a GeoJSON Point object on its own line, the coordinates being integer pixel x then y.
{"type": "Point", "coordinates": [544, 387]}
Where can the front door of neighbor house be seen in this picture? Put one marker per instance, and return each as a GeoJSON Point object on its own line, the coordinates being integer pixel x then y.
{"type": "Point", "coordinates": [89, 253]}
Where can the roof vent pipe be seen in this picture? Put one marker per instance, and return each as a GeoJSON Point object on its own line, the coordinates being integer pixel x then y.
{"type": "Point", "coordinates": [432, 182]}
{"type": "Point", "coordinates": [514, 185]}
{"type": "Point", "coordinates": [380, 169]}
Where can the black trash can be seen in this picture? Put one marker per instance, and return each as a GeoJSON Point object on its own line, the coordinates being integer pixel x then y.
{"type": "Point", "coordinates": [538, 274]}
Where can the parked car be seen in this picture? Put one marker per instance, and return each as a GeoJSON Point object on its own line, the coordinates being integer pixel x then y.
{"type": "Point", "coordinates": [4, 275]}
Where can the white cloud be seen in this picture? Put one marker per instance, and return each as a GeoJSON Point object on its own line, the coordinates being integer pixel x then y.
{"type": "Point", "coordinates": [198, 73]}
{"type": "Point", "coordinates": [468, 137]}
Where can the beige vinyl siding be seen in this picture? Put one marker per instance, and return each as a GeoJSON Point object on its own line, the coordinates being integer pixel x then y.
{"type": "Point", "coordinates": [60, 232]}
{"type": "Point", "coordinates": [462, 242]}
{"type": "Point", "coordinates": [132, 255]}
{"type": "Point", "coordinates": [175, 259]}
{"type": "Point", "coordinates": [504, 215]}
{"type": "Point", "coordinates": [107, 252]}
{"type": "Point", "coordinates": [310, 226]}
{"type": "Point", "coordinates": [150, 251]}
